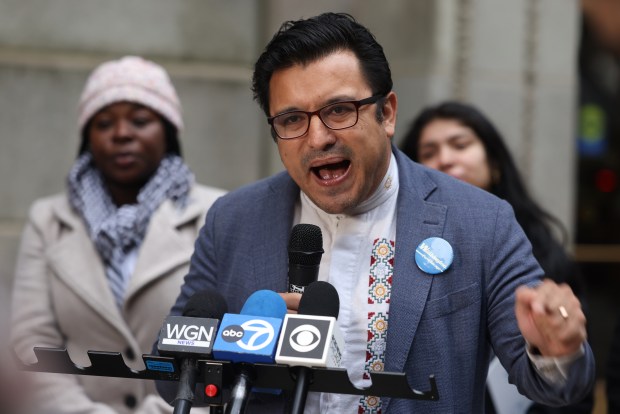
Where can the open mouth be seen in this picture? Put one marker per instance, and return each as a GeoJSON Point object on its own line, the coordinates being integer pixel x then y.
{"type": "Point", "coordinates": [331, 171]}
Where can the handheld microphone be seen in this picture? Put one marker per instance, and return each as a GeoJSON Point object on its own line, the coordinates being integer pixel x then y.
{"type": "Point", "coordinates": [305, 249]}
{"type": "Point", "coordinates": [311, 338]}
{"type": "Point", "coordinates": [247, 338]}
{"type": "Point", "coordinates": [191, 336]}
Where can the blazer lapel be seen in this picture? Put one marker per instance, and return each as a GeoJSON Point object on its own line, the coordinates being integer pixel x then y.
{"type": "Point", "coordinates": [274, 220]}
{"type": "Point", "coordinates": [417, 219]}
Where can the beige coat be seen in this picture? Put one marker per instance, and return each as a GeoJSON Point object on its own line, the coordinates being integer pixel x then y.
{"type": "Point", "coordinates": [61, 298]}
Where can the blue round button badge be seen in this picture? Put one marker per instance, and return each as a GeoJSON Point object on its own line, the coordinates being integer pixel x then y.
{"type": "Point", "coordinates": [434, 255]}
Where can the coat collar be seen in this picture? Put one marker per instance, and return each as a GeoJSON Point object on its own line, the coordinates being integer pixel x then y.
{"type": "Point", "coordinates": [75, 260]}
{"type": "Point", "coordinates": [164, 247]}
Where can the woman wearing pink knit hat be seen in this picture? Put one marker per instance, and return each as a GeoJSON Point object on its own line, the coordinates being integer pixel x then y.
{"type": "Point", "coordinates": [101, 264]}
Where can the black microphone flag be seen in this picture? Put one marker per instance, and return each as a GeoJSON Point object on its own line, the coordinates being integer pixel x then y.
{"type": "Point", "coordinates": [305, 249]}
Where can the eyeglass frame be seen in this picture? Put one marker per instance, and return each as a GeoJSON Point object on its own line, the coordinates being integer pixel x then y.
{"type": "Point", "coordinates": [357, 103]}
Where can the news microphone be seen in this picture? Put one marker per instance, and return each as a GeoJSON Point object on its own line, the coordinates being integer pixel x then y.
{"type": "Point", "coordinates": [305, 249]}
{"type": "Point", "coordinates": [311, 338]}
{"type": "Point", "coordinates": [247, 338]}
{"type": "Point", "coordinates": [190, 337]}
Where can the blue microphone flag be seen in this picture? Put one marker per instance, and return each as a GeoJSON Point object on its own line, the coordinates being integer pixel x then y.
{"type": "Point", "coordinates": [252, 336]}
{"type": "Point", "coordinates": [247, 338]}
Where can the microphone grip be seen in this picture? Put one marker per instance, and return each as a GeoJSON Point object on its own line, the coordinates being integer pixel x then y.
{"type": "Point", "coordinates": [301, 276]}
{"type": "Point", "coordinates": [301, 390]}
{"type": "Point", "coordinates": [182, 407]}
{"type": "Point", "coordinates": [187, 381]}
{"type": "Point", "coordinates": [240, 393]}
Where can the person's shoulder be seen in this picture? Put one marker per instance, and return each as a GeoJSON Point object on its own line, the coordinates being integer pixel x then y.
{"type": "Point", "coordinates": [436, 186]}
{"type": "Point", "coordinates": [275, 185]}
{"type": "Point", "coordinates": [458, 188]}
{"type": "Point", "coordinates": [254, 201]}
{"type": "Point", "coordinates": [47, 205]}
{"type": "Point", "coordinates": [205, 193]}
{"type": "Point", "coordinates": [52, 209]}
{"type": "Point", "coordinates": [200, 200]}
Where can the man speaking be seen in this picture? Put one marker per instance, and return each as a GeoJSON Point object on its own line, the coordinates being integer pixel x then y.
{"type": "Point", "coordinates": [433, 274]}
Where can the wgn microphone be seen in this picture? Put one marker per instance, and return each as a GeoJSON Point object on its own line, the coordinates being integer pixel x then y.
{"type": "Point", "coordinates": [305, 249]}
{"type": "Point", "coordinates": [311, 338]}
{"type": "Point", "coordinates": [191, 336]}
{"type": "Point", "coordinates": [248, 338]}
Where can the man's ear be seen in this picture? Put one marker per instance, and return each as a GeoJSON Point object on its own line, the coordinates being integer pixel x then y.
{"type": "Point", "coordinates": [390, 107]}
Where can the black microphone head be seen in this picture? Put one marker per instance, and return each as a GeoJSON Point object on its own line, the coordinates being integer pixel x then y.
{"type": "Point", "coordinates": [320, 299]}
{"type": "Point", "coordinates": [206, 304]}
{"type": "Point", "coordinates": [305, 246]}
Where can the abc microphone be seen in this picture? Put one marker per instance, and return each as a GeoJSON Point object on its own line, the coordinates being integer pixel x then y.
{"type": "Point", "coordinates": [311, 338]}
{"type": "Point", "coordinates": [191, 336]}
{"type": "Point", "coordinates": [247, 338]}
{"type": "Point", "coordinates": [305, 249]}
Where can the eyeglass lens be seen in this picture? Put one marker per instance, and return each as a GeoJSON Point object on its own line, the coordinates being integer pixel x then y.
{"type": "Point", "coordinates": [339, 115]}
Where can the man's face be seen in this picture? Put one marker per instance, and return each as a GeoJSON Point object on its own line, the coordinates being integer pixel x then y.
{"type": "Point", "coordinates": [336, 169]}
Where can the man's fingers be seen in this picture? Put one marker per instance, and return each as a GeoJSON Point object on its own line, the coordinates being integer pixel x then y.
{"type": "Point", "coordinates": [550, 317]}
{"type": "Point", "coordinates": [292, 301]}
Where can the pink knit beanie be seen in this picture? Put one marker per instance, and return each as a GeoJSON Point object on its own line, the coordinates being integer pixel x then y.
{"type": "Point", "coordinates": [131, 79]}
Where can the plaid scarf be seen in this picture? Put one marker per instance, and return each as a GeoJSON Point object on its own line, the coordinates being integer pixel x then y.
{"type": "Point", "coordinates": [116, 231]}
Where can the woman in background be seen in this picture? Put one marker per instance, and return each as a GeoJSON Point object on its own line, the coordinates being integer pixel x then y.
{"type": "Point", "coordinates": [101, 264]}
{"type": "Point", "coordinates": [459, 140]}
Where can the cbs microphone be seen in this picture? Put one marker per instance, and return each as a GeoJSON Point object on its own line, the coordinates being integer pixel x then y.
{"type": "Point", "coordinates": [248, 338]}
{"type": "Point", "coordinates": [191, 337]}
{"type": "Point", "coordinates": [305, 249]}
{"type": "Point", "coordinates": [311, 338]}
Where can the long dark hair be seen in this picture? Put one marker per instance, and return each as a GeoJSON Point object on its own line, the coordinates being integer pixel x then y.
{"type": "Point", "coordinates": [537, 223]}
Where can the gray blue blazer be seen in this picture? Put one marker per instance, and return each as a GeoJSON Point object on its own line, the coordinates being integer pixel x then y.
{"type": "Point", "coordinates": [447, 324]}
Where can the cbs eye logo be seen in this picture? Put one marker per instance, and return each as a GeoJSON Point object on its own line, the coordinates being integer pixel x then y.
{"type": "Point", "coordinates": [305, 338]}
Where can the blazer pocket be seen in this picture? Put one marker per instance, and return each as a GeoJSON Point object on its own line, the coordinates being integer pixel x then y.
{"type": "Point", "coordinates": [452, 302]}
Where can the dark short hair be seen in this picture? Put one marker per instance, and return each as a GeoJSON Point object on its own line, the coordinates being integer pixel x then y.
{"type": "Point", "coordinates": [307, 40]}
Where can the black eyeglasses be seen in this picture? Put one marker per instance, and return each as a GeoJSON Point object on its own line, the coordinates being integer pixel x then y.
{"type": "Point", "coordinates": [339, 115]}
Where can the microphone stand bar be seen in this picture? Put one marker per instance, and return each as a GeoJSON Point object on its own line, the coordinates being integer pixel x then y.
{"type": "Point", "coordinates": [328, 380]}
